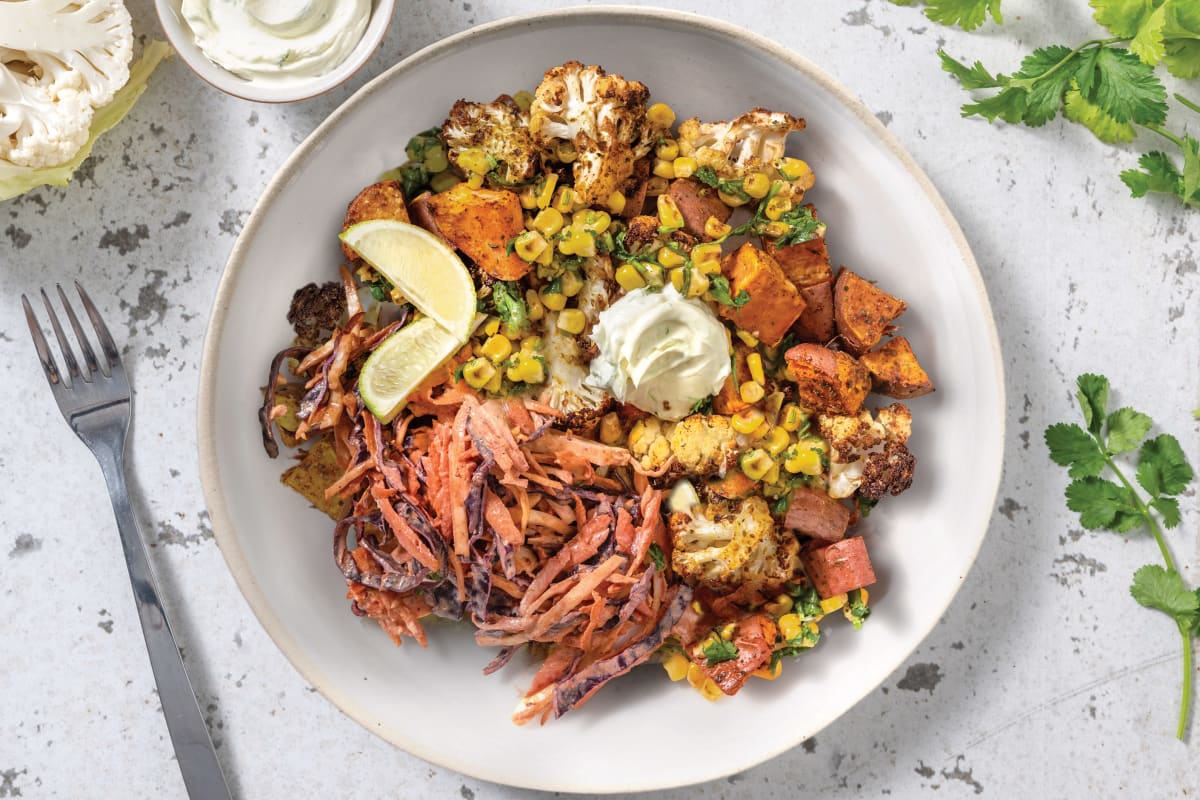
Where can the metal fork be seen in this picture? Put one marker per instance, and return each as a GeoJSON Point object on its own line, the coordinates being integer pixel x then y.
{"type": "Point", "coordinates": [97, 405]}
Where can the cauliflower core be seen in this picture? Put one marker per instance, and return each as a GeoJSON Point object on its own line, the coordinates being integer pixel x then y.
{"type": "Point", "coordinates": [750, 143]}
{"type": "Point", "coordinates": [868, 454]}
{"type": "Point", "coordinates": [726, 544]}
{"type": "Point", "coordinates": [499, 128]}
{"type": "Point", "coordinates": [603, 116]}
{"type": "Point", "coordinates": [59, 61]}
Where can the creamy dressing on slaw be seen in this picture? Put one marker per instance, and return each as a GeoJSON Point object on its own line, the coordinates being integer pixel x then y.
{"type": "Point", "coordinates": [277, 41]}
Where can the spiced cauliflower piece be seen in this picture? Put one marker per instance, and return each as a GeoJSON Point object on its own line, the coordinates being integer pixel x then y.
{"type": "Point", "coordinates": [869, 454]}
{"type": "Point", "coordinates": [568, 356]}
{"type": "Point", "coordinates": [700, 444]}
{"type": "Point", "coordinates": [753, 142]}
{"type": "Point", "coordinates": [727, 544]}
{"type": "Point", "coordinates": [603, 116]}
{"type": "Point", "coordinates": [500, 129]}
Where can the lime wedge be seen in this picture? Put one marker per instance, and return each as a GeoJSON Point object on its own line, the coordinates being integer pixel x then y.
{"type": "Point", "coordinates": [401, 362]}
{"type": "Point", "coordinates": [422, 266]}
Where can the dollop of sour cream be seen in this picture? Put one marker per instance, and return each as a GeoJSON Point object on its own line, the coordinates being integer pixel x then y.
{"type": "Point", "coordinates": [660, 351]}
{"type": "Point", "coordinates": [277, 41]}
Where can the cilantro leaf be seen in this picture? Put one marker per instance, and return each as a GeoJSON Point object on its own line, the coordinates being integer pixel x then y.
{"type": "Point", "coordinates": [510, 305]}
{"type": "Point", "coordinates": [1162, 466]}
{"type": "Point", "coordinates": [1071, 446]}
{"type": "Point", "coordinates": [1156, 587]}
{"type": "Point", "coordinates": [975, 76]}
{"type": "Point", "coordinates": [1124, 87]}
{"type": "Point", "coordinates": [1093, 399]}
{"type": "Point", "coordinates": [658, 557]}
{"type": "Point", "coordinates": [1148, 43]}
{"type": "Point", "coordinates": [1045, 74]}
{"type": "Point", "coordinates": [1182, 58]}
{"type": "Point", "coordinates": [1126, 429]}
{"type": "Point", "coordinates": [1121, 17]}
{"type": "Point", "coordinates": [1191, 170]}
{"type": "Point", "coordinates": [1103, 504]}
{"type": "Point", "coordinates": [703, 406]}
{"type": "Point", "coordinates": [1091, 116]}
{"type": "Point", "coordinates": [1159, 175]}
{"type": "Point", "coordinates": [967, 14]}
{"type": "Point", "coordinates": [1168, 509]}
{"type": "Point", "coordinates": [1008, 105]}
{"type": "Point", "coordinates": [1181, 34]}
{"type": "Point", "coordinates": [719, 286]}
{"type": "Point", "coordinates": [719, 650]}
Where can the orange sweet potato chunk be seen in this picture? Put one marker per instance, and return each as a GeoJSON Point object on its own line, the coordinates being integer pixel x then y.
{"type": "Point", "coordinates": [774, 302]}
{"type": "Point", "coordinates": [481, 222]}
{"type": "Point", "coordinates": [895, 370]}
{"type": "Point", "coordinates": [827, 380]}
{"type": "Point", "coordinates": [863, 311]}
{"type": "Point", "coordinates": [383, 200]}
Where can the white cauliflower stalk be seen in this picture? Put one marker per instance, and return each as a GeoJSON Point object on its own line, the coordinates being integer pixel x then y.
{"type": "Point", "coordinates": [61, 59]}
{"type": "Point", "coordinates": [727, 544]}
{"type": "Point", "coordinates": [603, 116]}
{"type": "Point", "coordinates": [753, 142]}
{"type": "Point", "coordinates": [567, 362]}
{"type": "Point", "coordinates": [499, 128]}
{"type": "Point", "coordinates": [868, 454]}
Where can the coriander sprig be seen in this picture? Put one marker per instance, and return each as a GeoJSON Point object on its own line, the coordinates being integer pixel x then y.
{"type": "Point", "coordinates": [1162, 471]}
{"type": "Point", "coordinates": [966, 14]}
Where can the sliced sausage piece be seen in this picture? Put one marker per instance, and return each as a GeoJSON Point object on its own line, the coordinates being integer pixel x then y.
{"type": "Point", "coordinates": [754, 638]}
{"type": "Point", "coordinates": [816, 514]}
{"type": "Point", "coordinates": [697, 202]}
{"type": "Point", "coordinates": [839, 567]}
{"type": "Point", "coordinates": [635, 189]}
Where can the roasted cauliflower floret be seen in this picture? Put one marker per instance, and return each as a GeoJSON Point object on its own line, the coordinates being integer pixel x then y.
{"type": "Point", "coordinates": [753, 142]}
{"type": "Point", "coordinates": [726, 544]}
{"type": "Point", "coordinates": [568, 356]}
{"type": "Point", "coordinates": [603, 116]}
{"type": "Point", "coordinates": [500, 129]}
{"type": "Point", "coordinates": [701, 444]}
{"type": "Point", "coordinates": [868, 454]}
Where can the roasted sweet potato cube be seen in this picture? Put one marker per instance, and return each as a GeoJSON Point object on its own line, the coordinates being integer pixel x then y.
{"type": "Point", "coordinates": [814, 513]}
{"type": "Point", "coordinates": [805, 263]}
{"type": "Point", "coordinates": [774, 302]}
{"type": "Point", "coordinates": [728, 400]}
{"type": "Point", "coordinates": [383, 200]}
{"type": "Point", "coordinates": [895, 370]}
{"type": "Point", "coordinates": [863, 311]}
{"type": "Point", "coordinates": [816, 324]}
{"type": "Point", "coordinates": [827, 380]}
{"type": "Point", "coordinates": [839, 567]}
{"type": "Point", "coordinates": [733, 485]}
{"type": "Point", "coordinates": [317, 470]}
{"type": "Point", "coordinates": [481, 222]}
{"type": "Point", "coordinates": [697, 202]}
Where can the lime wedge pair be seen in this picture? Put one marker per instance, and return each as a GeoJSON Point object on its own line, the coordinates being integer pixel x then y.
{"type": "Point", "coordinates": [435, 280]}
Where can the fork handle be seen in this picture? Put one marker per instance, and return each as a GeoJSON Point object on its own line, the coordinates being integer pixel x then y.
{"type": "Point", "coordinates": [189, 734]}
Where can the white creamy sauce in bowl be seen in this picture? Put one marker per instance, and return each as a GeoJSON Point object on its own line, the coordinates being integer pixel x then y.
{"type": "Point", "coordinates": [277, 42]}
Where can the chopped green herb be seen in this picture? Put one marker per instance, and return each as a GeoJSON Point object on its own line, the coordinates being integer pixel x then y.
{"type": "Point", "coordinates": [719, 650]}
{"type": "Point", "coordinates": [413, 180]}
{"type": "Point", "coordinates": [703, 406]}
{"type": "Point", "coordinates": [857, 610]}
{"type": "Point", "coordinates": [719, 286]}
{"type": "Point", "coordinates": [658, 557]}
{"type": "Point", "coordinates": [510, 305]}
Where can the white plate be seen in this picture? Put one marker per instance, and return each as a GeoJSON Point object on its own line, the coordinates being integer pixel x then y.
{"type": "Point", "coordinates": [641, 732]}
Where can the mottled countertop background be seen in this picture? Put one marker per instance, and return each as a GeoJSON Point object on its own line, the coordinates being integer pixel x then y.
{"type": "Point", "coordinates": [1044, 678]}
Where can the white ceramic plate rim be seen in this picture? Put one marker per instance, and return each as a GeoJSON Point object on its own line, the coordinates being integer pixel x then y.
{"type": "Point", "coordinates": [223, 527]}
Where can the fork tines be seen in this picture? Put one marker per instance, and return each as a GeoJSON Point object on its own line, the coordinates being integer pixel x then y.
{"type": "Point", "coordinates": [91, 366]}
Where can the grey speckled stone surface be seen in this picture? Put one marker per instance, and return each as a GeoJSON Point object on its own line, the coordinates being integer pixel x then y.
{"type": "Point", "coordinates": [1043, 680]}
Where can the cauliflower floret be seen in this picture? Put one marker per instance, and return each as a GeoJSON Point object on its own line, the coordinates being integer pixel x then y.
{"type": "Point", "coordinates": [753, 142]}
{"type": "Point", "coordinates": [701, 444]}
{"type": "Point", "coordinates": [603, 116]}
{"type": "Point", "coordinates": [567, 356]}
{"type": "Point", "coordinates": [727, 544]}
{"type": "Point", "coordinates": [54, 75]}
{"type": "Point", "coordinates": [499, 128]}
{"type": "Point", "coordinates": [869, 454]}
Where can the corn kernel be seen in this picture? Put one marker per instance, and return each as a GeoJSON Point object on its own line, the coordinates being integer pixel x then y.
{"type": "Point", "coordinates": [715, 229]}
{"type": "Point", "coordinates": [532, 371]}
{"type": "Point", "coordinates": [545, 258]}
{"type": "Point", "coordinates": [792, 168]}
{"type": "Point", "coordinates": [754, 363]}
{"type": "Point", "coordinates": [769, 672]}
{"type": "Point", "coordinates": [669, 215]}
{"type": "Point", "coordinates": [435, 160]}
{"type": "Point", "coordinates": [791, 417]}
{"type": "Point", "coordinates": [774, 230]}
{"type": "Point", "coordinates": [751, 392]}
{"type": "Point", "coordinates": [748, 338]}
{"type": "Point", "coordinates": [756, 184]}
{"type": "Point", "coordinates": [628, 278]}
{"type": "Point", "coordinates": [570, 283]}
{"type": "Point", "coordinates": [780, 606]}
{"type": "Point", "coordinates": [615, 202]}
{"type": "Point", "coordinates": [533, 304]}
{"type": "Point", "coordinates": [529, 245]}
{"type": "Point", "coordinates": [656, 186]}
{"type": "Point", "coordinates": [790, 626]}
{"type": "Point", "coordinates": [564, 151]}
{"type": "Point", "coordinates": [571, 320]}
{"type": "Point", "coordinates": [777, 207]}
{"type": "Point", "coordinates": [477, 372]}
{"type": "Point", "coordinates": [774, 403]}
{"type": "Point", "coordinates": [473, 159]}
{"type": "Point", "coordinates": [669, 258]}
{"type": "Point", "coordinates": [707, 258]}
{"type": "Point", "coordinates": [578, 243]}
{"type": "Point", "coordinates": [555, 301]}
{"type": "Point", "coordinates": [696, 675]}
{"type": "Point", "coordinates": [660, 115]}
{"type": "Point", "coordinates": [498, 347]}
{"type": "Point", "coordinates": [676, 666]}
{"type": "Point", "coordinates": [443, 181]}
{"type": "Point", "coordinates": [832, 604]}
{"type": "Point", "coordinates": [528, 197]}
{"type": "Point", "coordinates": [523, 99]}
{"type": "Point", "coordinates": [697, 607]}
{"type": "Point", "coordinates": [531, 344]}
{"type": "Point", "coordinates": [727, 630]}
{"type": "Point", "coordinates": [397, 296]}
{"type": "Point", "coordinates": [492, 327]}
{"type": "Point", "coordinates": [710, 691]}
{"type": "Point", "coordinates": [777, 441]}
{"type": "Point", "coordinates": [731, 200]}
{"type": "Point", "coordinates": [546, 194]}
{"type": "Point", "coordinates": [495, 382]}
{"type": "Point", "coordinates": [664, 169]}
{"type": "Point", "coordinates": [806, 461]}
{"type": "Point", "coordinates": [548, 222]}
{"type": "Point", "coordinates": [611, 430]}
{"type": "Point", "coordinates": [564, 200]}
{"type": "Point", "coordinates": [590, 220]}
{"type": "Point", "coordinates": [684, 166]}
{"type": "Point", "coordinates": [699, 284]}
{"type": "Point", "coordinates": [668, 150]}
{"type": "Point", "coordinates": [747, 421]}
{"type": "Point", "coordinates": [475, 181]}
{"type": "Point", "coordinates": [756, 463]}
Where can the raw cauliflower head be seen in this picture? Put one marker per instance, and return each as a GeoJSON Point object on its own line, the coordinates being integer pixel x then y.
{"type": "Point", "coordinates": [499, 128]}
{"type": "Point", "coordinates": [868, 454]}
{"type": "Point", "coordinates": [59, 61]}
{"type": "Point", "coordinates": [603, 116]}
{"type": "Point", "coordinates": [725, 544]}
{"type": "Point", "coordinates": [750, 143]}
